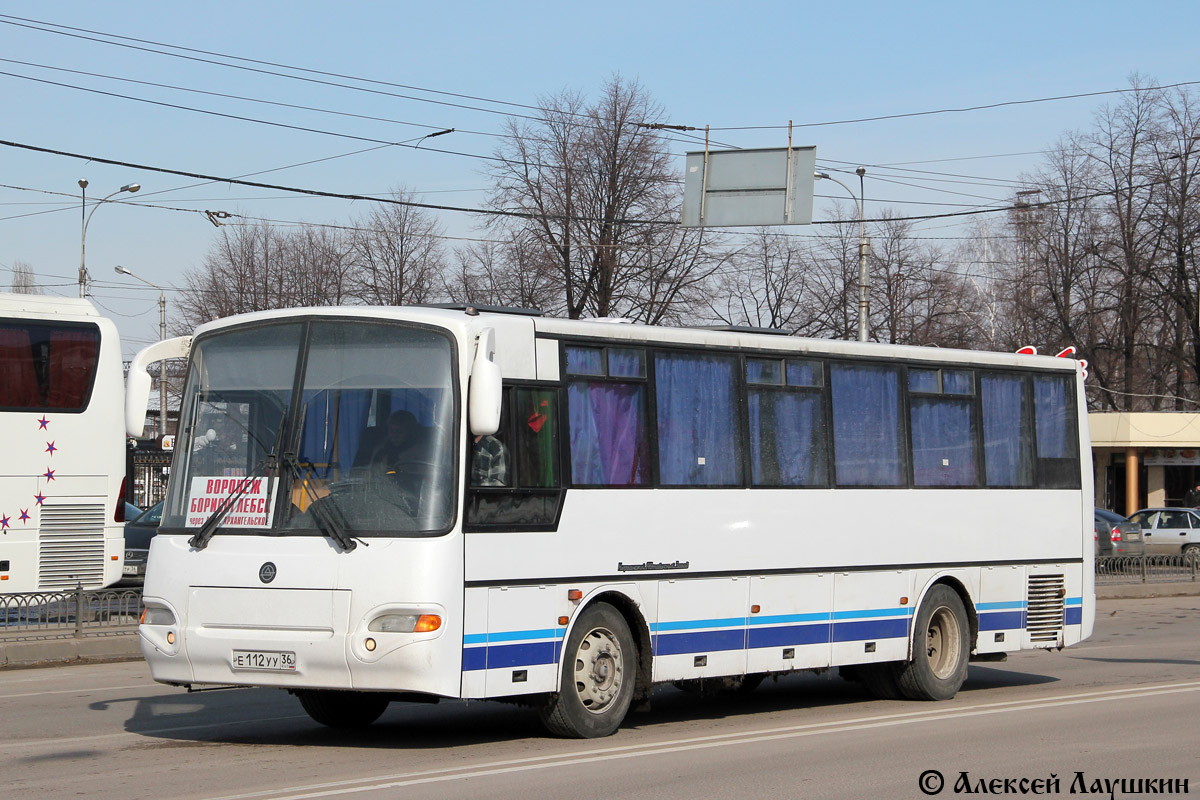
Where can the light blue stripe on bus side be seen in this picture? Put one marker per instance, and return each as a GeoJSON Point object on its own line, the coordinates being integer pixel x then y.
{"type": "Point", "coordinates": [707, 635]}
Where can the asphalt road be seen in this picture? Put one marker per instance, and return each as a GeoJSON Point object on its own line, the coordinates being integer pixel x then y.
{"type": "Point", "coordinates": [1123, 705]}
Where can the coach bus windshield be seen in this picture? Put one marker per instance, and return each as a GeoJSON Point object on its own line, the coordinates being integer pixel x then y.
{"type": "Point", "coordinates": [305, 425]}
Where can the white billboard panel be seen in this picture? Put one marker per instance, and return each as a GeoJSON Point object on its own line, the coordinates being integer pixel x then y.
{"type": "Point", "coordinates": [731, 188]}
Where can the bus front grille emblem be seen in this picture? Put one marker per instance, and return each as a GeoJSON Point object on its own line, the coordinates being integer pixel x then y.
{"type": "Point", "coordinates": [267, 572]}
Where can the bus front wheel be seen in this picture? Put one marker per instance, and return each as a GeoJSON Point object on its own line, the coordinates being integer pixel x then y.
{"type": "Point", "coordinates": [340, 709]}
{"type": "Point", "coordinates": [598, 674]}
{"type": "Point", "coordinates": [941, 648]}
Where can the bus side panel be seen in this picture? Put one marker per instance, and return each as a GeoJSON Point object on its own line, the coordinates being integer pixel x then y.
{"type": "Point", "coordinates": [1001, 609]}
{"type": "Point", "coordinates": [701, 628]}
{"type": "Point", "coordinates": [792, 627]}
{"type": "Point", "coordinates": [524, 639]}
{"type": "Point", "coordinates": [869, 621]}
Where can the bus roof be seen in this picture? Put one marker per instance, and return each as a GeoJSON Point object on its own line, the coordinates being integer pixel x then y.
{"type": "Point", "coordinates": [38, 305]}
{"type": "Point", "coordinates": [623, 330]}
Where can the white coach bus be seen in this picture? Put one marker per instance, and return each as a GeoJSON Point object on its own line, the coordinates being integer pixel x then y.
{"type": "Point", "coordinates": [62, 446]}
{"type": "Point", "coordinates": [377, 504]}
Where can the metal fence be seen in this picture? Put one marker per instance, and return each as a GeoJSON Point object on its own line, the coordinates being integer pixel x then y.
{"type": "Point", "coordinates": [1145, 569]}
{"type": "Point", "coordinates": [76, 613]}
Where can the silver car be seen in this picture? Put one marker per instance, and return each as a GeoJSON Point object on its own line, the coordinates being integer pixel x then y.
{"type": "Point", "coordinates": [1117, 536]}
{"type": "Point", "coordinates": [1169, 531]}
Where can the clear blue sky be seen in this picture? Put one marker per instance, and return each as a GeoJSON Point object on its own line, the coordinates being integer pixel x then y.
{"type": "Point", "coordinates": [721, 64]}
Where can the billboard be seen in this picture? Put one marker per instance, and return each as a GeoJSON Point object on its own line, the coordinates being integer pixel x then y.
{"type": "Point", "coordinates": [732, 188]}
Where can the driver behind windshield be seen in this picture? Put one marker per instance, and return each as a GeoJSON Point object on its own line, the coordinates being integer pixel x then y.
{"type": "Point", "coordinates": [404, 441]}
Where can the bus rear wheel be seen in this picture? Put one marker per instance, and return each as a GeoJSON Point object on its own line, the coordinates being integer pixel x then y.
{"type": "Point", "coordinates": [338, 709]}
{"type": "Point", "coordinates": [598, 674]}
{"type": "Point", "coordinates": [941, 648]}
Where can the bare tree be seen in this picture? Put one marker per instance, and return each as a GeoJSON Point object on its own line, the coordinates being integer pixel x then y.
{"type": "Point", "coordinates": [765, 285]}
{"type": "Point", "coordinates": [23, 281]}
{"type": "Point", "coordinates": [596, 193]}
{"type": "Point", "coordinates": [398, 256]}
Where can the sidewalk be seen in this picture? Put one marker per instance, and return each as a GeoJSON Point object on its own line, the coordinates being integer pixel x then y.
{"type": "Point", "coordinates": [121, 644]}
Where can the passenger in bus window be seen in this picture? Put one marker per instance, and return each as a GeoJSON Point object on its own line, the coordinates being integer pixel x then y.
{"type": "Point", "coordinates": [489, 462]}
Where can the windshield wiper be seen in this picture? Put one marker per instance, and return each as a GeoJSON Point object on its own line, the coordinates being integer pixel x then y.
{"type": "Point", "coordinates": [329, 518]}
{"type": "Point", "coordinates": [261, 470]}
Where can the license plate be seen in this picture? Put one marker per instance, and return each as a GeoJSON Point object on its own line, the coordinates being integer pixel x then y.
{"type": "Point", "coordinates": [269, 660]}
{"type": "Point", "coordinates": [129, 569]}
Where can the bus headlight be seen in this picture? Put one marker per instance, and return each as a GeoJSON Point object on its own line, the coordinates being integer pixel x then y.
{"type": "Point", "coordinates": [153, 615]}
{"type": "Point", "coordinates": [405, 623]}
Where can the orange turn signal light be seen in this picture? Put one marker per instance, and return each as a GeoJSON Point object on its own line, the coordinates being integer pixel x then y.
{"type": "Point", "coordinates": [574, 595]}
{"type": "Point", "coordinates": [427, 623]}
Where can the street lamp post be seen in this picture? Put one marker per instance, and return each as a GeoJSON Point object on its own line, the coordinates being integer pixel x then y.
{"type": "Point", "coordinates": [83, 184]}
{"type": "Point", "coordinates": [161, 427]}
{"type": "Point", "coordinates": [864, 248]}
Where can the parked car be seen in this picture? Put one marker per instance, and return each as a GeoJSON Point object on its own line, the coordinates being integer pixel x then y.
{"type": "Point", "coordinates": [138, 534]}
{"type": "Point", "coordinates": [1117, 536]}
{"type": "Point", "coordinates": [1169, 531]}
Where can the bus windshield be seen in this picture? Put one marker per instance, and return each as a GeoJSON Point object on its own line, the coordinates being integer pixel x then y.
{"type": "Point", "coordinates": [301, 426]}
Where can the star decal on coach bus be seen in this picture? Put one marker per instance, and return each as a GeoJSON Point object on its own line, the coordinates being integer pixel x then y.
{"type": "Point", "coordinates": [50, 448]}
{"type": "Point", "coordinates": [42, 423]}
{"type": "Point", "coordinates": [4, 524]}
{"type": "Point", "coordinates": [48, 474]}
{"type": "Point", "coordinates": [40, 498]}
{"type": "Point", "coordinates": [24, 515]}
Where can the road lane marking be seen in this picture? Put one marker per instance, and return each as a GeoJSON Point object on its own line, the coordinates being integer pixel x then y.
{"type": "Point", "coordinates": [80, 690]}
{"type": "Point", "coordinates": [400, 780]}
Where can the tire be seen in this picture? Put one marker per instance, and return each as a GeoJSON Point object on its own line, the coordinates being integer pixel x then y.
{"type": "Point", "coordinates": [599, 670]}
{"type": "Point", "coordinates": [338, 709]}
{"type": "Point", "coordinates": [1190, 551]}
{"type": "Point", "coordinates": [941, 648]}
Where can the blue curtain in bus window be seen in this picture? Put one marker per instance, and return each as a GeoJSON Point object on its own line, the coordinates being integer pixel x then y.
{"type": "Point", "coordinates": [943, 441]}
{"type": "Point", "coordinates": [1007, 449]}
{"type": "Point", "coordinates": [333, 425]}
{"type": "Point", "coordinates": [698, 443]}
{"type": "Point", "coordinates": [866, 426]}
{"type": "Point", "coordinates": [786, 441]}
{"type": "Point", "coordinates": [1050, 411]}
{"type": "Point", "coordinates": [608, 433]}
{"type": "Point", "coordinates": [585, 361]}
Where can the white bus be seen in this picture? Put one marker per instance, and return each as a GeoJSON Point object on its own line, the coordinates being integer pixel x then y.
{"type": "Point", "coordinates": [371, 504]}
{"type": "Point", "coordinates": [62, 446]}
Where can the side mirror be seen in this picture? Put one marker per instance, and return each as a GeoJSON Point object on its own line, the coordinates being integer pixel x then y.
{"type": "Point", "coordinates": [483, 404]}
{"type": "Point", "coordinates": [139, 382]}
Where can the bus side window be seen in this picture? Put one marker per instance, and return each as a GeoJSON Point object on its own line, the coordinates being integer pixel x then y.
{"type": "Point", "coordinates": [515, 480]}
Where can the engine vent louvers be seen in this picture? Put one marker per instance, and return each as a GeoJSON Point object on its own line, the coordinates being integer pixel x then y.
{"type": "Point", "coordinates": [1044, 619]}
{"type": "Point", "coordinates": [72, 546]}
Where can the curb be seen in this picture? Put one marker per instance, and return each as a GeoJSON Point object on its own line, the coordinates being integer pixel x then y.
{"type": "Point", "coordinates": [57, 652]}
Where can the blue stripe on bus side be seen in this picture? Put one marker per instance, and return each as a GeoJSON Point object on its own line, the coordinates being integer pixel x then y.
{"type": "Point", "coordinates": [735, 633]}
{"type": "Point", "coordinates": [1002, 620]}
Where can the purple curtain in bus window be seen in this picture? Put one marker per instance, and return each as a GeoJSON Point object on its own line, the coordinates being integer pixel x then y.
{"type": "Point", "coordinates": [72, 363]}
{"type": "Point", "coordinates": [697, 420]}
{"type": "Point", "coordinates": [866, 446]}
{"type": "Point", "coordinates": [608, 433]}
{"type": "Point", "coordinates": [18, 381]}
{"type": "Point", "coordinates": [785, 439]}
{"type": "Point", "coordinates": [1007, 453]}
{"type": "Point", "coordinates": [943, 442]}
{"type": "Point", "coordinates": [1050, 411]}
